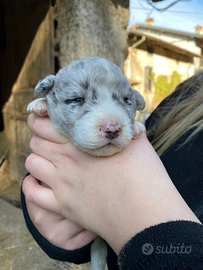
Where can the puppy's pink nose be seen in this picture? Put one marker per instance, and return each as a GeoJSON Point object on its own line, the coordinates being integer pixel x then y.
{"type": "Point", "coordinates": [111, 130]}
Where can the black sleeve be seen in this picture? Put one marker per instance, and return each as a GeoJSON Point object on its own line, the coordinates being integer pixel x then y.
{"type": "Point", "coordinates": [167, 246]}
{"type": "Point", "coordinates": [77, 256]}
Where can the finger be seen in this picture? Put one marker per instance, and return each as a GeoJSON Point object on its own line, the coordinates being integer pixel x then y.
{"type": "Point", "coordinates": [40, 168]}
{"type": "Point", "coordinates": [46, 149]}
{"type": "Point", "coordinates": [39, 214]}
{"type": "Point", "coordinates": [55, 152]}
{"type": "Point", "coordinates": [39, 195]}
{"type": "Point", "coordinates": [43, 127]}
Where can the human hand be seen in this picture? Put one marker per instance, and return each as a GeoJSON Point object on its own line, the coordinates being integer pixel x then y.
{"type": "Point", "coordinates": [115, 197]}
{"type": "Point", "coordinates": [58, 230]}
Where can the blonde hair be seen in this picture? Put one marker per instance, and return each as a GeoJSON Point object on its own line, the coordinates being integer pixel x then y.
{"type": "Point", "coordinates": [183, 112]}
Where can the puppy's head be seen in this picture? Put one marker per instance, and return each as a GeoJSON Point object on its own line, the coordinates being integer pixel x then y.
{"type": "Point", "coordinates": [92, 103]}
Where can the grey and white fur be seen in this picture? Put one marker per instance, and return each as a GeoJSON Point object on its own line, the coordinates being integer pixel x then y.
{"type": "Point", "coordinates": [91, 102]}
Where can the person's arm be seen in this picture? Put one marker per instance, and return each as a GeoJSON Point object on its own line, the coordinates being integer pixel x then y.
{"type": "Point", "coordinates": [115, 197]}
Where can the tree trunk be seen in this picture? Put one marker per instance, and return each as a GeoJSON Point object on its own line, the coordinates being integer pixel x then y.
{"type": "Point", "coordinates": [92, 28]}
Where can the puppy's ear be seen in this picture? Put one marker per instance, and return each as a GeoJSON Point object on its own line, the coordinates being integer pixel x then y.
{"type": "Point", "coordinates": [44, 86]}
{"type": "Point", "coordinates": [140, 103]}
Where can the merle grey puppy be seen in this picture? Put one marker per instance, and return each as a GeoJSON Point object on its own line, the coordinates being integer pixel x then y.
{"type": "Point", "coordinates": [91, 102]}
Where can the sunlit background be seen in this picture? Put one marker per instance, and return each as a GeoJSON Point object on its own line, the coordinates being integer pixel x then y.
{"type": "Point", "coordinates": [183, 16]}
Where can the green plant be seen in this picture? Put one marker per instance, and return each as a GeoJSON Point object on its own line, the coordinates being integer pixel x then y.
{"type": "Point", "coordinates": [164, 85]}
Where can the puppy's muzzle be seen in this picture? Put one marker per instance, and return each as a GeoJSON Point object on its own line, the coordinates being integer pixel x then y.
{"type": "Point", "coordinates": [112, 130]}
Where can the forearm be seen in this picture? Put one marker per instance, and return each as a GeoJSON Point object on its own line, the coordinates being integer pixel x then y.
{"type": "Point", "coordinates": [156, 210]}
{"type": "Point", "coordinates": [142, 202]}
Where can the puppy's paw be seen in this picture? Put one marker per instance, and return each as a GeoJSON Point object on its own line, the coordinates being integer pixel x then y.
{"type": "Point", "coordinates": [38, 106]}
{"type": "Point", "coordinates": [139, 129]}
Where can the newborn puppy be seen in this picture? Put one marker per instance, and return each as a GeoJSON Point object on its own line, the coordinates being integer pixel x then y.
{"type": "Point", "coordinates": [91, 102]}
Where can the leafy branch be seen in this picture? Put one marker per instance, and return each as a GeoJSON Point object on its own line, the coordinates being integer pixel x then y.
{"type": "Point", "coordinates": [164, 85]}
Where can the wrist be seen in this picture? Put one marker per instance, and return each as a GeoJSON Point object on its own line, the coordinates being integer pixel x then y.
{"type": "Point", "coordinates": [143, 202]}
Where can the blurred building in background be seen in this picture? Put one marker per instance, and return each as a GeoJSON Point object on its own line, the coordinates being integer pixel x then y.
{"type": "Point", "coordinates": [159, 59]}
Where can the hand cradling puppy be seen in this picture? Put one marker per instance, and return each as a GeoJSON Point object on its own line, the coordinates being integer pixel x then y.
{"type": "Point", "coordinates": [91, 102]}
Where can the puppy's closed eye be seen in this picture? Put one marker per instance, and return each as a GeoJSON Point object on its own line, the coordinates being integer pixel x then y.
{"type": "Point", "coordinates": [78, 100]}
